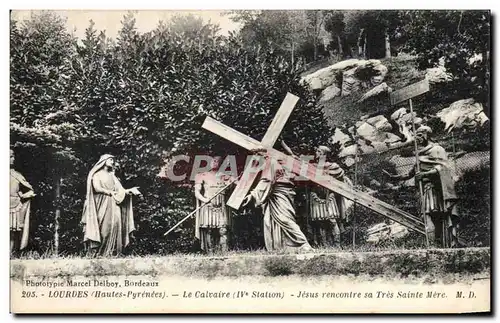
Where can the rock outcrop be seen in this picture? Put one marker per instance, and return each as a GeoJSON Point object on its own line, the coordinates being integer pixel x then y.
{"type": "Point", "coordinates": [376, 91]}
{"type": "Point", "coordinates": [329, 93]}
{"type": "Point", "coordinates": [438, 75]}
{"type": "Point", "coordinates": [323, 78]}
{"type": "Point", "coordinates": [382, 232]}
{"type": "Point", "coordinates": [349, 75]}
{"type": "Point", "coordinates": [463, 114]}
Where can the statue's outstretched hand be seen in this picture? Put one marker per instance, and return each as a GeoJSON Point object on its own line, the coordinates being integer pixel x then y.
{"type": "Point", "coordinates": [135, 191]}
{"type": "Point", "coordinates": [28, 195]}
{"type": "Point", "coordinates": [246, 200]}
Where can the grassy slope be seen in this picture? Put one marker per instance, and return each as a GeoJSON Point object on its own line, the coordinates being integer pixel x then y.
{"type": "Point", "coordinates": [402, 71]}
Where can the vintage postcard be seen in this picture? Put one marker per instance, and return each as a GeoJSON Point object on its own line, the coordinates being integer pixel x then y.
{"type": "Point", "coordinates": [250, 161]}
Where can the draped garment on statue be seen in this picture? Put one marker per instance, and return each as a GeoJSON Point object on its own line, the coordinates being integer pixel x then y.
{"type": "Point", "coordinates": [324, 204]}
{"type": "Point", "coordinates": [108, 219]}
{"type": "Point", "coordinates": [439, 196]}
{"type": "Point", "coordinates": [275, 193]}
{"type": "Point", "coordinates": [19, 209]}
{"type": "Point", "coordinates": [215, 214]}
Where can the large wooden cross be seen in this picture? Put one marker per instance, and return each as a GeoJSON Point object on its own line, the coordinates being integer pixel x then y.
{"type": "Point", "coordinates": [298, 166]}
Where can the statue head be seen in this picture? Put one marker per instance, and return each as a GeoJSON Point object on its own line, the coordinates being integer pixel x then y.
{"type": "Point", "coordinates": [321, 151]}
{"type": "Point", "coordinates": [215, 162]}
{"type": "Point", "coordinates": [422, 135]}
{"type": "Point", "coordinates": [110, 163]}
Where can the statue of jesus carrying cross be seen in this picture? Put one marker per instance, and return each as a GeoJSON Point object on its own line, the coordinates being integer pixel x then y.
{"type": "Point", "coordinates": [275, 193]}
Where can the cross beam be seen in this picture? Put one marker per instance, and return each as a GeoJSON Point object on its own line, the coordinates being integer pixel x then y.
{"type": "Point", "coordinates": [243, 187]}
{"type": "Point", "coordinates": [298, 165]}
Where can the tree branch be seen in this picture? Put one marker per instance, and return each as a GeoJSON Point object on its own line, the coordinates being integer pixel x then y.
{"type": "Point", "coordinates": [460, 21]}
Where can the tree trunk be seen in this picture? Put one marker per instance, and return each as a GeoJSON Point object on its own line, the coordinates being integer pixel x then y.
{"type": "Point", "coordinates": [365, 54]}
{"type": "Point", "coordinates": [315, 44]}
{"type": "Point", "coordinates": [360, 38]}
{"type": "Point", "coordinates": [387, 45]}
{"type": "Point", "coordinates": [341, 52]}
{"type": "Point", "coordinates": [486, 61]}
{"type": "Point", "coordinates": [57, 215]}
{"type": "Point", "coordinates": [293, 53]}
{"type": "Point", "coordinates": [316, 33]}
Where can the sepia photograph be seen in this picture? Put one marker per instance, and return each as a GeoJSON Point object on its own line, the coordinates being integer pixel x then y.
{"type": "Point", "coordinates": [250, 161]}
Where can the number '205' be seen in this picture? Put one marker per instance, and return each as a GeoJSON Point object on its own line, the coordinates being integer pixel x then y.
{"type": "Point", "coordinates": [28, 294]}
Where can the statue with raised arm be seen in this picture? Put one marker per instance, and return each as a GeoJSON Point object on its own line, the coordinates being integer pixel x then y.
{"type": "Point", "coordinates": [439, 200]}
{"type": "Point", "coordinates": [107, 217]}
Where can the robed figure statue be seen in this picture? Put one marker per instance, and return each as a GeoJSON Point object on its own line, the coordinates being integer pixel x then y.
{"type": "Point", "coordinates": [108, 218]}
{"type": "Point", "coordinates": [21, 193]}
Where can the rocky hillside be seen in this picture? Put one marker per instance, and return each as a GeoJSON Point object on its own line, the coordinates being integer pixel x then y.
{"type": "Point", "coordinates": [355, 95]}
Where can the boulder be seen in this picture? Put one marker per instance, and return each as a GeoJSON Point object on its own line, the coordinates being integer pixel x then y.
{"type": "Point", "coordinates": [348, 151]}
{"type": "Point", "coordinates": [463, 114]}
{"type": "Point", "coordinates": [340, 137]}
{"type": "Point", "coordinates": [323, 78]}
{"type": "Point", "coordinates": [396, 115]}
{"type": "Point", "coordinates": [402, 117]}
{"type": "Point", "coordinates": [407, 118]}
{"type": "Point", "coordinates": [385, 232]}
{"type": "Point", "coordinates": [371, 72]}
{"type": "Point", "coordinates": [329, 93]}
{"type": "Point", "coordinates": [438, 75]}
{"type": "Point", "coordinates": [316, 84]}
{"type": "Point", "coordinates": [367, 131]}
{"type": "Point", "coordinates": [349, 63]}
{"type": "Point", "coordinates": [377, 90]}
{"type": "Point", "coordinates": [365, 75]}
{"type": "Point", "coordinates": [381, 71]}
{"type": "Point", "coordinates": [350, 83]}
{"type": "Point", "coordinates": [366, 149]}
{"type": "Point", "coordinates": [380, 123]}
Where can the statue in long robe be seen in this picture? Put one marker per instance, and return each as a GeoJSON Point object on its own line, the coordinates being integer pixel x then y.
{"type": "Point", "coordinates": [107, 217]}
{"type": "Point", "coordinates": [20, 203]}
{"type": "Point", "coordinates": [213, 221]}
{"type": "Point", "coordinates": [327, 210]}
{"type": "Point", "coordinates": [275, 194]}
{"type": "Point", "coordinates": [439, 200]}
